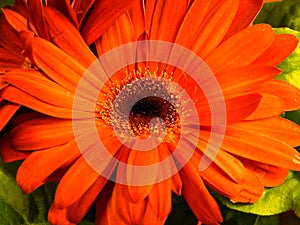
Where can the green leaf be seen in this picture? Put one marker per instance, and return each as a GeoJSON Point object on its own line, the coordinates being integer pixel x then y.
{"type": "Point", "coordinates": [281, 14]}
{"type": "Point", "coordinates": [6, 2]}
{"type": "Point", "coordinates": [12, 195]}
{"type": "Point", "coordinates": [290, 67]}
{"type": "Point", "coordinates": [17, 208]}
{"type": "Point", "coordinates": [273, 201]}
{"type": "Point", "coordinates": [86, 223]}
{"type": "Point", "coordinates": [291, 70]}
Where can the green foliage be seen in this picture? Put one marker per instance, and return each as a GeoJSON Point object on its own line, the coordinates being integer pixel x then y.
{"type": "Point", "coordinates": [273, 201]}
{"type": "Point", "coordinates": [6, 2]}
{"type": "Point", "coordinates": [290, 67]}
{"type": "Point", "coordinates": [281, 14]}
{"type": "Point", "coordinates": [18, 208]}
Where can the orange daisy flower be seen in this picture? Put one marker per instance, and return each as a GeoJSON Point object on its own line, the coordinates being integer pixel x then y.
{"type": "Point", "coordinates": [47, 51]}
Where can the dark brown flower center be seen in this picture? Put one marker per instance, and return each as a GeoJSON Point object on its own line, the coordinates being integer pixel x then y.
{"type": "Point", "coordinates": [142, 105]}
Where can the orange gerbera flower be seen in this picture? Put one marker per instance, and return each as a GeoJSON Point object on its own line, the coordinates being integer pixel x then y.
{"type": "Point", "coordinates": [46, 51]}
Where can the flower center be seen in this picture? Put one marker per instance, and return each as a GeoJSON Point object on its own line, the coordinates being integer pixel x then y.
{"type": "Point", "coordinates": [141, 105]}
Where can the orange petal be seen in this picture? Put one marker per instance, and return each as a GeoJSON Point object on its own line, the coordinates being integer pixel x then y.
{"type": "Point", "coordinates": [142, 159]}
{"type": "Point", "coordinates": [157, 18]}
{"type": "Point", "coordinates": [282, 46]}
{"type": "Point", "coordinates": [242, 107]}
{"type": "Point", "coordinates": [37, 17]}
{"type": "Point", "coordinates": [95, 26]}
{"type": "Point", "coordinates": [65, 8]}
{"type": "Point", "coordinates": [260, 147]}
{"type": "Point", "coordinates": [20, 6]}
{"type": "Point", "coordinates": [215, 24]}
{"type": "Point", "coordinates": [160, 200]}
{"type": "Point", "coordinates": [242, 48]}
{"type": "Point", "coordinates": [7, 110]}
{"type": "Point", "coordinates": [39, 165]}
{"type": "Point", "coordinates": [101, 205]}
{"type": "Point", "coordinates": [253, 189]}
{"type": "Point", "coordinates": [227, 163]}
{"type": "Point", "coordinates": [59, 66]}
{"type": "Point", "coordinates": [187, 33]}
{"type": "Point", "coordinates": [68, 38]}
{"type": "Point", "coordinates": [42, 133]}
{"type": "Point", "coordinates": [245, 78]}
{"type": "Point", "coordinates": [121, 210]}
{"type": "Point", "coordinates": [204, 206]}
{"type": "Point", "coordinates": [276, 127]}
{"type": "Point", "coordinates": [81, 176]}
{"type": "Point", "coordinates": [19, 97]}
{"type": "Point", "coordinates": [34, 83]}
{"type": "Point", "coordinates": [271, 175]}
{"type": "Point", "coordinates": [289, 94]}
{"type": "Point", "coordinates": [76, 182]}
{"type": "Point", "coordinates": [246, 13]}
{"type": "Point", "coordinates": [78, 209]}
{"type": "Point", "coordinates": [121, 32]}
{"type": "Point", "coordinates": [159, 204]}
{"type": "Point", "coordinates": [269, 106]}
{"type": "Point", "coordinates": [8, 153]}
{"type": "Point", "coordinates": [57, 216]}
{"type": "Point", "coordinates": [9, 61]}
{"type": "Point", "coordinates": [18, 22]}
{"type": "Point", "coordinates": [9, 38]}
{"type": "Point", "coordinates": [137, 18]}
{"type": "Point", "coordinates": [81, 7]}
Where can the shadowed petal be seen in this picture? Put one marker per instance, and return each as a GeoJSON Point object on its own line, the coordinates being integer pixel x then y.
{"type": "Point", "coordinates": [39, 165]}
{"type": "Point", "coordinates": [67, 37]}
{"type": "Point", "coordinates": [95, 26]}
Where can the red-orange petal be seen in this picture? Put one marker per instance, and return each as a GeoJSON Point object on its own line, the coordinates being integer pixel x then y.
{"type": "Point", "coordinates": [65, 8]}
{"type": "Point", "coordinates": [9, 61]}
{"type": "Point", "coordinates": [8, 153]}
{"type": "Point", "coordinates": [204, 206]}
{"type": "Point", "coordinates": [157, 18]}
{"type": "Point", "coordinates": [242, 48]}
{"type": "Point", "coordinates": [215, 24]}
{"type": "Point", "coordinates": [96, 25]}
{"type": "Point", "coordinates": [37, 17]}
{"type": "Point", "coordinates": [141, 158]}
{"type": "Point", "coordinates": [78, 209]}
{"type": "Point", "coordinates": [9, 38]}
{"type": "Point", "coordinates": [260, 147]}
{"type": "Point", "coordinates": [42, 133]}
{"type": "Point", "coordinates": [289, 94]}
{"type": "Point", "coordinates": [121, 210]}
{"type": "Point", "coordinates": [57, 216]}
{"type": "Point", "coordinates": [67, 37]}
{"type": "Point", "coordinates": [39, 165]}
{"type": "Point", "coordinates": [246, 13]}
{"type": "Point", "coordinates": [76, 182]}
{"type": "Point", "coordinates": [269, 106]}
{"type": "Point", "coordinates": [137, 18]}
{"type": "Point", "coordinates": [282, 46]}
{"type": "Point", "coordinates": [246, 78]}
{"type": "Point", "coordinates": [271, 175]}
{"type": "Point", "coordinates": [59, 66]}
{"type": "Point", "coordinates": [252, 189]}
{"type": "Point", "coordinates": [276, 127]}
{"type": "Point", "coordinates": [121, 32]}
{"type": "Point", "coordinates": [19, 97]}
{"type": "Point", "coordinates": [35, 84]}
{"type": "Point", "coordinates": [7, 110]}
